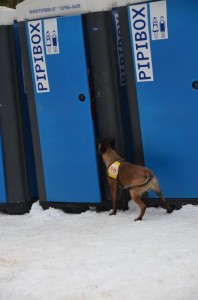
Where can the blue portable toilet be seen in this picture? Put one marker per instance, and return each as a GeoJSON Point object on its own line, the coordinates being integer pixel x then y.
{"type": "Point", "coordinates": [56, 77]}
{"type": "Point", "coordinates": [160, 49]}
{"type": "Point", "coordinates": [17, 192]}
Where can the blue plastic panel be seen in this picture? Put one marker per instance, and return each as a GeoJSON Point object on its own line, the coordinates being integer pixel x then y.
{"type": "Point", "coordinates": [168, 104]}
{"type": "Point", "coordinates": [3, 197]}
{"type": "Point", "coordinates": [65, 124]}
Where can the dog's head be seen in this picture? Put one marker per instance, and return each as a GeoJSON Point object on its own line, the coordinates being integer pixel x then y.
{"type": "Point", "coordinates": [103, 145]}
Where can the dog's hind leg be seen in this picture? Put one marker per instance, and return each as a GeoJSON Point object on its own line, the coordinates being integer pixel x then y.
{"type": "Point", "coordinates": [165, 203]}
{"type": "Point", "coordinates": [156, 188]}
{"type": "Point", "coordinates": [136, 197]}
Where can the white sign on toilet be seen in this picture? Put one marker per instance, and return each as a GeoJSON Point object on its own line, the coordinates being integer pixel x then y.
{"type": "Point", "coordinates": [158, 20]}
{"type": "Point", "coordinates": [51, 36]}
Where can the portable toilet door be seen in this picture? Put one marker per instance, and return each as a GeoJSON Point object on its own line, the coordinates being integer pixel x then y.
{"type": "Point", "coordinates": [162, 73]}
{"type": "Point", "coordinates": [56, 79]}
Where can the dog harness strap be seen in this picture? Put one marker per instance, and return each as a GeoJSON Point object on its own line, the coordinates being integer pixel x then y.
{"type": "Point", "coordinates": [113, 169]}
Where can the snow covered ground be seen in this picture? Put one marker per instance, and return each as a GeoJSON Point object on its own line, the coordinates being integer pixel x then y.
{"type": "Point", "coordinates": [53, 255]}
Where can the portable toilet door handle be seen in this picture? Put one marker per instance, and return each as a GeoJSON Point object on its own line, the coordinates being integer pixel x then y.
{"type": "Point", "coordinates": [81, 97]}
{"type": "Point", "coordinates": [195, 85]}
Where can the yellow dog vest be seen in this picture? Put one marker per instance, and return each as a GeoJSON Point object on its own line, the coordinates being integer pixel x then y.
{"type": "Point", "coordinates": [113, 169]}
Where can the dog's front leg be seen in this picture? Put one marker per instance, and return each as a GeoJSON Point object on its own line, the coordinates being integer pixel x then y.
{"type": "Point", "coordinates": [113, 188]}
{"type": "Point", "coordinates": [136, 197]}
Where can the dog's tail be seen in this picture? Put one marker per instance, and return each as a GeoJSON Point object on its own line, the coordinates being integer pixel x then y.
{"type": "Point", "coordinates": [149, 174]}
{"type": "Point", "coordinates": [145, 184]}
{"type": "Point", "coordinates": [149, 179]}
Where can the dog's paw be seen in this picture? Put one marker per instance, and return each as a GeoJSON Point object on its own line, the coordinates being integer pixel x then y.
{"type": "Point", "coordinates": [169, 210]}
{"type": "Point", "coordinates": [138, 219]}
{"type": "Point", "coordinates": [113, 213]}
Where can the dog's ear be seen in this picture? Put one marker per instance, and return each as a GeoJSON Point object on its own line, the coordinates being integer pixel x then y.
{"type": "Point", "coordinates": [112, 143]}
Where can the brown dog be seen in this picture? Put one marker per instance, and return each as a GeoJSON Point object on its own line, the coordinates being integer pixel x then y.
{"type": "Point", "coordinates": [137, 179]}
